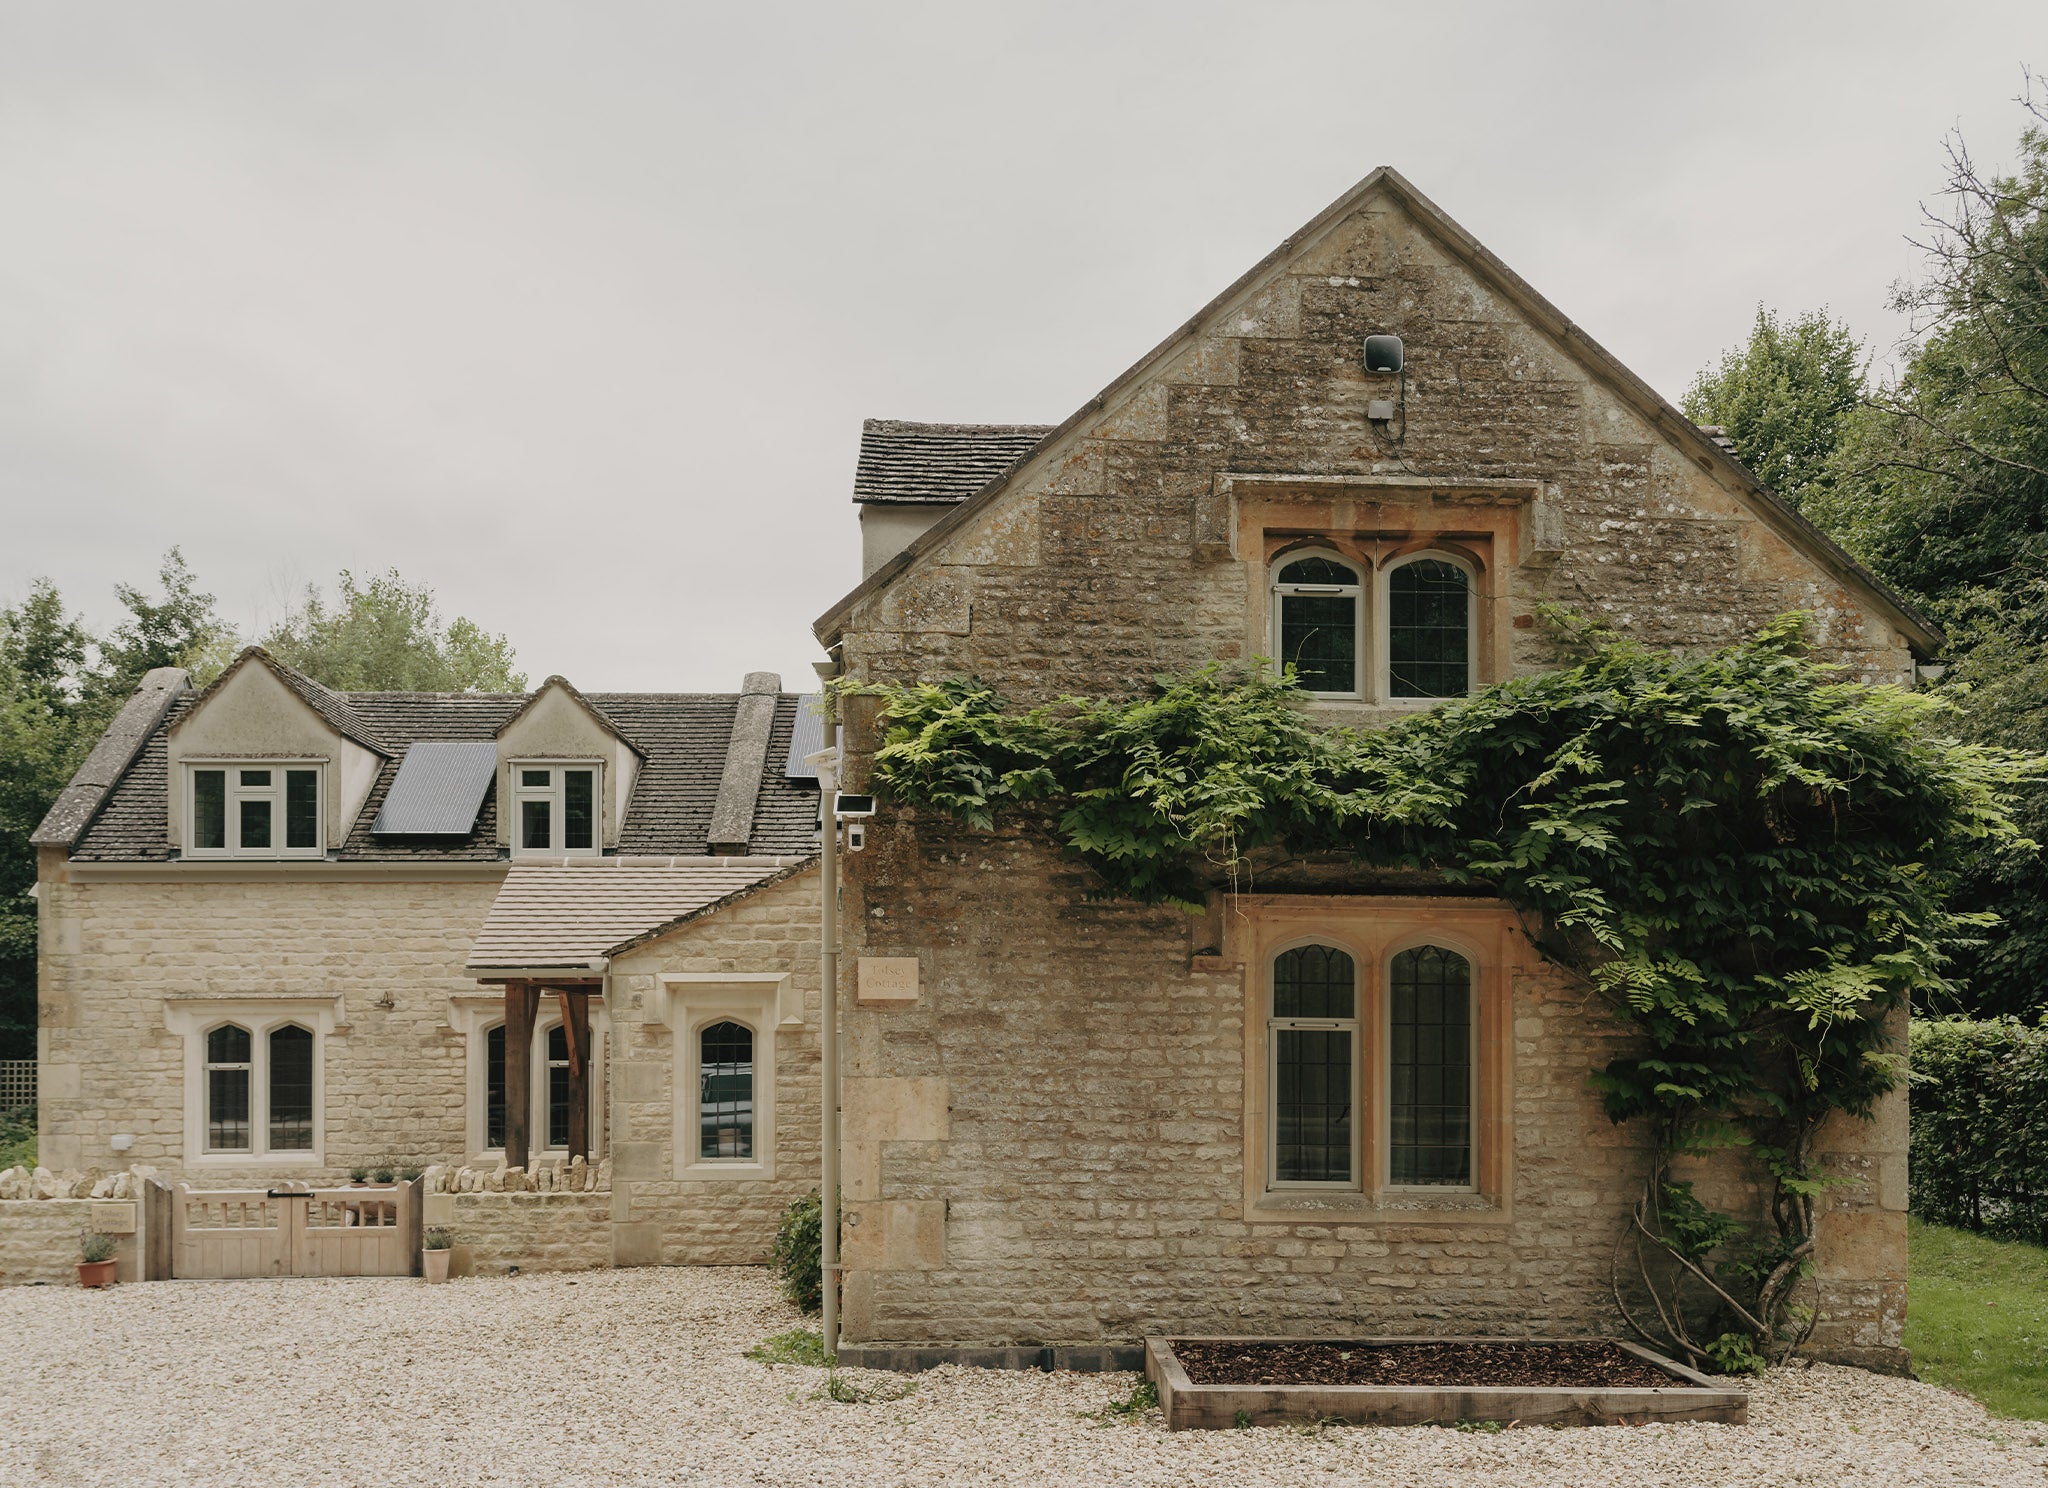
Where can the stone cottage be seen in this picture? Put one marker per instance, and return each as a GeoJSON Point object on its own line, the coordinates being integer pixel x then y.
{"type": "Point", "coordinates": [1327, 1108]}
{"type": "Point", "coordinates": [287, 930]}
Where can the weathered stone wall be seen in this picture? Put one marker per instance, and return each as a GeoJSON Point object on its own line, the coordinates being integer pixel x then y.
{"type": "Point", "coordinates": [115, 953]}
{"type": "Point", "coordinates": [39, 1238]}
{"type": "Point", "coordinates": [660, 1215]}
{"type": "Point", "coordinates": [1079, 1132]}
{"type": "Point", "coordinates": [495, 1232]}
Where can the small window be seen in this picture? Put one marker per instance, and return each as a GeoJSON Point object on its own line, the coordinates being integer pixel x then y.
{"type": "Point", "coordinates": [1318, 622]}
{"type": "Point", "coordinates": [1429, 1075]}
{"type": "Point", "coordinates": [261, 811]}
{"type": "Point", "coordinates": [1313, 1041]}
{"type": "Point", "coordinates": [558, 1086]}
{"type": "Point", "coordinates": [291, 1089]}
{"type": "Point", "coordinates": [557, 809]}
{"type": "Point", "coordinates": [1429, 630]}
{"type": "Point", "coordinates": [494, 1087]}
{"type": "Point", "coordinates": [228, 1078]}
{"type": "Point", "coordinates": [725, 1075]}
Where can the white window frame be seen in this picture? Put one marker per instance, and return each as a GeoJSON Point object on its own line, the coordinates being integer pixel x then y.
{"type": "Point", "coordinates": [237, 792]}
{"type": "Point", "coordinates": [1275, 590]}
{"type": "Point", "coordinates": [192, 1019]}
{"type": "Point", "coordinates": [1383, 657]}
{"type": "Point", "coordinates": [553, 793]}
{"type": "Point", "coordinates": [757, 1001]}
{"type": "Point", "coordinates": [474, 1017]}
{"type": "Point", "coordinates": [1355, 1026]}
{"type": "Point", "coordinates": [1385, 1156]}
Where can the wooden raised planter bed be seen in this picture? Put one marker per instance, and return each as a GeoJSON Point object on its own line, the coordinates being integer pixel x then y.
{"type": "Point", "coordinates": [1220, 1404]}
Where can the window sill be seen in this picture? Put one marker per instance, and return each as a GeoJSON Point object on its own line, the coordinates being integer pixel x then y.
{"type": "Point", "coordinates": [726, 1172]}
{"type": "Point", "coordinates": [1396, 1206]}
{"type": "Point", "coordinates": [258, 1160]}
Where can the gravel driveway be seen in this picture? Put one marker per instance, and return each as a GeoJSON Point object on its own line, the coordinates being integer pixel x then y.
{"type": "Point", "coordinates": [631, 1377]}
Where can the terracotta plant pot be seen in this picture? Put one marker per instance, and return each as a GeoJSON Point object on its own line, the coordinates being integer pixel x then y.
{"type": "Point", "coordinates": [96, 1273]}
{"type": "Point", "coordinates": [434, 1264]}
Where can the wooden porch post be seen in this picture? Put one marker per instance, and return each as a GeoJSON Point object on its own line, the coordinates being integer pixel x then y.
{"type": "Point", "coordinates": [576, 1029]}
{"type": "Point", "coordinates": [522, 1002]}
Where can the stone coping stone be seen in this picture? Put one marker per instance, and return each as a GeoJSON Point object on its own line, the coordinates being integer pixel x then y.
{"type": "Point", "coordinates": [1692, 1396]}
{"type": "Point", "coordinates": [915, 1358]}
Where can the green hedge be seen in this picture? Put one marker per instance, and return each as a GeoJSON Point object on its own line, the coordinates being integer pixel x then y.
{"type": "Point", "coordinates": [1980, 1125]}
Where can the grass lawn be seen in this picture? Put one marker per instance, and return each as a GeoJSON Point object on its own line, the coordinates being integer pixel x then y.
{"type": "Point", "coordinates": [1977, 1317]}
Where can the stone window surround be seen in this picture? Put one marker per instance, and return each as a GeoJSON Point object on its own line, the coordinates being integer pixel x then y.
{"type": "Point", "coordinates": [277, 852]}
{"type": "Point", "coordinates": [192, 1018]}
{"type": "Point", "coordinates": [688, 1003]}
{"type": "Point", "coordinates": [1372, 930]}
{"type": "Point", "coordinates": [1375, 557]}
{"type": "Point", "coordinates": [557, 815]}
{"type": "Point", "coordinates": [474, 1015]}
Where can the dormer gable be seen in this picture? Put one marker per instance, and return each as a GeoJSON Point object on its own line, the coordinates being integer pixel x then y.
{"type": "Point", "coordinates": [262, 716]}
{"type": "Point", "coordinates": [556, 733]}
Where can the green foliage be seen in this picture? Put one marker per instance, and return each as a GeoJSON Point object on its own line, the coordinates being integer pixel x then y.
{"type": "Point", "coordinates": [1132, 1408]}
{"type": "Point", "coordinates": [18, 1138]}
{"type": "Point", "coordinates": [1979, 1158]}
{"type": "Point", "coordinates": [181, 630]}
{"type": "Point", "coordinates": [386, 635]}
{"type": "Point", "coordinates": [1745, 854]}
{"type": "Point", "coordinates": [437, 1239]}
{"type": "Point", "coordinates": [1784, 399]}
{"type": "Point", "coordinates": [797, 1346]}
{"type": "Point", "coordinates": [1979, 1319]}
{"type": "Point", "coordinates": [797, 1256]}
{"type": "Point", "coordinates": [1735, 1353]}
{"type": "Point", "coordinates": [94, 1247]}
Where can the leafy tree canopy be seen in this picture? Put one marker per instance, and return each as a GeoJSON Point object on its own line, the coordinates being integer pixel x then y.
{"type": "Point", "coordinates": [1746, 855]}
{"type": "Point", "coordinates": [386, 635]}
{"type": "Point", "coordinates": [1784, 399]}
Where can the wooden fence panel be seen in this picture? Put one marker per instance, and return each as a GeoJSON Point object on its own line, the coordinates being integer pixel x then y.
{"type": "Point", "coordinates": [221, 1233]}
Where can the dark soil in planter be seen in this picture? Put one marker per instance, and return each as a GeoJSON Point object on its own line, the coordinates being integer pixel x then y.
{"type": "Point", "coordinates": [1570, 1365]}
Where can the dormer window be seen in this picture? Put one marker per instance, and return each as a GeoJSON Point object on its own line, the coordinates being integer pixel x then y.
{"type": "Point", "coordinates": [255, 809]}
{"type": "Point", "coordinates": [554, 809]}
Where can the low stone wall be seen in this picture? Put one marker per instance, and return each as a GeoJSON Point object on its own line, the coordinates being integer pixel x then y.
{"type": "Point", "coordinates": [39, 1238]}
{"type": "Point", "coordinates": [497, 1232]}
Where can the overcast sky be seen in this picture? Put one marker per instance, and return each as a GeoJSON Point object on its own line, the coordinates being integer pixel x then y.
{"type": "Point", "coordinates": [572, 311]}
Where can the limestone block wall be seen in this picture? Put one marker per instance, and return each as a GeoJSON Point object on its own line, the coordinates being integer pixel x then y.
{"type": "Point", "coordinates": [496, 1232]}
{"type": "Point", "coordinates": [39, 1238]}
{"type": "Point", "coordinates": [1092, 1071]}
{"type": "Point", "coordinates": [667, 1209]}
{"type": "Point", "coordinates": [116, 953]}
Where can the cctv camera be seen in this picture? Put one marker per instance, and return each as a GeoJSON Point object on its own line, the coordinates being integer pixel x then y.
{"type": "Point", "coordinates": [856, 836]}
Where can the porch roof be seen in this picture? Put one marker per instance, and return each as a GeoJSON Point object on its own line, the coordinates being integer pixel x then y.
{"type": "Point", "coordinates": [567, 916]}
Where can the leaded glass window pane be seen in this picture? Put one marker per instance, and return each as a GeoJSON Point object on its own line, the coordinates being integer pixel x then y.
{"type": "Point", "coordinates": [291, 1090]}
{"type": "Point", "coordinates": [579, 815]}
{"type": "Point", "coordinates": [210, 809]}
{"type": "Point", "coordinates": [1313, 1075]}
{"type": "Point", "coordinates": [1312, 1143]}
{"type": "Point", "coordinates": [725, 1075]}
{"type": "Point", "coordinates": [227, 1089]}
{"type": "Point", "coordinates": [255, 819]}
{"type": "Point", "coordinates": [1314, 981]}
{"type": "Point", "coordinates": [1317, 571]}
{"type": "Point", "coordinates": [1319, 637]}
{"type": "Point", "coordinates": [1429, 632]}
{"type": "Point", "coordinates": [1429, 1029]}
{"type": "Point", "coordinates": [494, 1087]}
{"type": "Point", "coordinates": [534, 821]}
{"type": "Point", "coordinates": [301, 808]}
{"type": "Point", "coordinates": [558, 1087]}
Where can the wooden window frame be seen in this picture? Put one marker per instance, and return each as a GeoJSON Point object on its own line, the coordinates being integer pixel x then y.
{"type": "Point", "coordinates": [1361, 596]}
{"type": "Point", "coordinates": [1373, 930]}
{"type": "Point", "coordinates": [236, 792]}
{"type": "Point", "coordinates": [555, 794]}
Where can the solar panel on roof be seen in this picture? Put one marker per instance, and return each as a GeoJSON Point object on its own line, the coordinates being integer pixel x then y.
{"type": "Point", "coordinates": [808, 737]}
{"type": "Point", "coordinates": [439, 788]}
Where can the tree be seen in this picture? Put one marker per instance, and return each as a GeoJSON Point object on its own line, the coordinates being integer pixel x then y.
{"type": "Point", "coordinates": [1942, 488]}
{"type": "Point", "coordinates": [46, 728]}
{"type": "Point", "coordinates": [1784, 399]}
{"type": "Point", "coordinates": [386, 636]}
{"type": "Point", "coordinates": [182, 631]}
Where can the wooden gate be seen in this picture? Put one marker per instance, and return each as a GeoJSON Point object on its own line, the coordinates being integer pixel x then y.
{"type": "Point", "coordinates": [218, 1234]}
